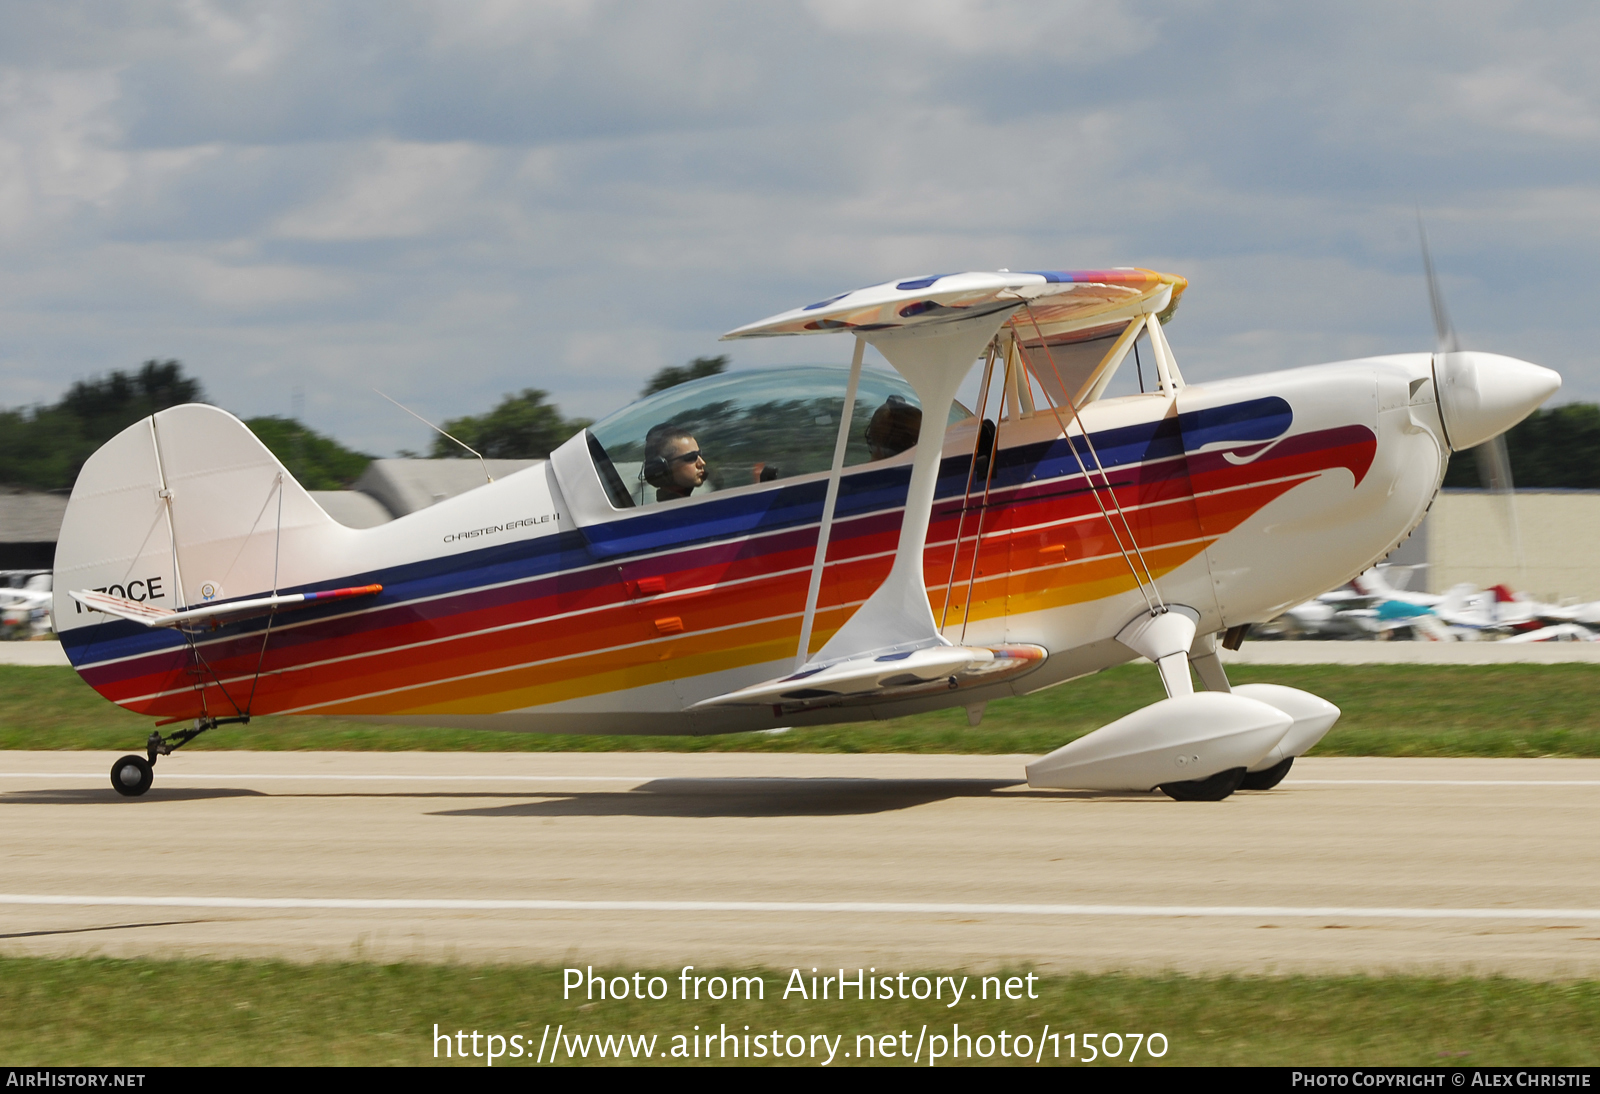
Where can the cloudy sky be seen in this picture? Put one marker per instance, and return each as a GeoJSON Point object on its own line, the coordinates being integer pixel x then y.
{"type": "Point", "coordinates": [451, 201]}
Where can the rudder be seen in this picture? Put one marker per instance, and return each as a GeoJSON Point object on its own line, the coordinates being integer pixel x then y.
{"type": "Point", "coordinates": [184, 507]}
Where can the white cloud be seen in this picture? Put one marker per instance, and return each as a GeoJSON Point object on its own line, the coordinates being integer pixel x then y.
{"type": "Point", "coordinates": [1065, 29]}
{"type": "Point", "coordinates": [1525, 100]}
{"type": "Point", "coordinates": [54, 154]}
{"type": "Point", "coordinates": [472, 198]}
{"type": "Point", "coordinates": [395, 190]}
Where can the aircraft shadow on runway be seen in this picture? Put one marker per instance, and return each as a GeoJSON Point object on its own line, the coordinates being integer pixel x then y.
{"type": "Point", "coordinates": [672, 797]}
{"type": "Point", "coordinates": [103, 795]}
{"type": "Point", "coordinates": [107, 927]}
{"type": "Point", "coordinates": [747, 797]}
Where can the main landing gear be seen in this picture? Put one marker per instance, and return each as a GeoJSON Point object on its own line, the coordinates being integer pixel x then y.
{"type": "Point", "coordinates": [1223, 783]}
{"type": "Point", "coordinates": [1233, 738]}
{"type": "Point", "coordinates": [1214, 789]}
{"type": "Point", "coordinates": [132, 775]}
{"type": "Point", "coordinates": [1266, 780]}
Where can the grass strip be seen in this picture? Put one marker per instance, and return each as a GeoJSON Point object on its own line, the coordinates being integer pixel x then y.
{"type": "Point", "coordinates": [1389, 710]}
{"type": "Point", "coordinates": [131, 1013]}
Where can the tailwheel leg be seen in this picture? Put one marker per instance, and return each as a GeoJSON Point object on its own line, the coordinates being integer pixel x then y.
{"type": "Point", "coordinates": [131, 776]}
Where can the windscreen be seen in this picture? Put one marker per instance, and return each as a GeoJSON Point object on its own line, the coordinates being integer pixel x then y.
{"type": "Point", "coordinates": [750, 428]}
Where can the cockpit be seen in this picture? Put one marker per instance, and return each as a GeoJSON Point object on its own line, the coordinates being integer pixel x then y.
{"type": "Point", "coordinates": [746, 428]}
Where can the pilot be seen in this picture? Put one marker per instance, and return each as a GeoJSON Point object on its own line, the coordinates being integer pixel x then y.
{"type": "Point", "coordinates": [894, 428]}
{"type": "Point", "coordinates": [673, 463]}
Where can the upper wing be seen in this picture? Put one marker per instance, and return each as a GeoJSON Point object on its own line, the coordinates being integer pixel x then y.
{"type": "Point", "coordinates": [1060, 302]}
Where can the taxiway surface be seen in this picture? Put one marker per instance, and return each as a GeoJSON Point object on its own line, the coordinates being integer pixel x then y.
{"type": "Point", "coordinates": [659, 860]}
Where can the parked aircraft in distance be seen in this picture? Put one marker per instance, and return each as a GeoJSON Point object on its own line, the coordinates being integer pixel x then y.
{"type": "Point", "coordinates": [25, 602]}
{"type": "Point", "coordinates": [801, 546]}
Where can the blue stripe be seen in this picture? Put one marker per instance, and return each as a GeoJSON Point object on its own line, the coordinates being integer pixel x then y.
{"type": "Point", "coordinates": [550, 554]}
{"type": "Point", "coordinates": [861, 493]}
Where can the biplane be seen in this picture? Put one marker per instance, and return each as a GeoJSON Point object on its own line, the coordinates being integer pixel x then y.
{"type": "Point", "coordinates": [799, 546]}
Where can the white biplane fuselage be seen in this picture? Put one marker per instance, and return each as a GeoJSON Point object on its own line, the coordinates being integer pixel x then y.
{"type": "Point", "coordinates": [815, 577]}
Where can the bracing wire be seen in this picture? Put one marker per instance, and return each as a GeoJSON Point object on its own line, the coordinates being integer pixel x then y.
{"type": "Point", "coordinates": [484, 463]}
{"type": "Point", "coordinates": [983, 512]}
{"type": "Point", "coordinates": [1156, 604]}
{"type": "Point", "coordinates": [1088, 440]}
{"type": "Point", "coordinates": [966, 497]}
{"type": "Point", "coordinates": [272, 614]}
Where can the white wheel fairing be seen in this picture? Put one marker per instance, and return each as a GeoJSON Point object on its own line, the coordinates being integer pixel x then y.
{"type": "Point", "coordinates": [1313, 717]}
{"type": "Point", "coordinates": [1185, 739]}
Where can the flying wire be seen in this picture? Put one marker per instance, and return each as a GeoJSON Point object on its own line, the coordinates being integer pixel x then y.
{"type": "Point", "coordinates": [966, 497]}
{"type": "Point", "coordinates": [442, 433]}
{"type": "Point", "coordinates": [983, 511]}
{"type": "Point", "coordinates": [272, 614]}
{"type": "Point", "coordinates": [1157, 604]}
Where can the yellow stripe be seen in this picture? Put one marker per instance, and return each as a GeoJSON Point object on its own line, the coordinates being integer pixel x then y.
{"type": "Point", "coordinates": [758, 643]}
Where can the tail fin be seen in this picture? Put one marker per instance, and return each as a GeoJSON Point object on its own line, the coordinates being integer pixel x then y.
{"type": "Point", "coordinates": [1373, 583]}
{"type": "Point", "coordinates": [184, 508]}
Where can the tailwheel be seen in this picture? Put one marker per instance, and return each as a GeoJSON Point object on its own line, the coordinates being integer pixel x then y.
{"type": "Point", "coordinates": [1214, 789]}
{"type": "Point", "coordinates": [1266, 780]}
{"type": "Point", "coordinates": [131, 776]}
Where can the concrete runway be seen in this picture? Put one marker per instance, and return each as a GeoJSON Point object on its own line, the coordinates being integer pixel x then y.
{"type": "Point", "coordinates": [895, 862]}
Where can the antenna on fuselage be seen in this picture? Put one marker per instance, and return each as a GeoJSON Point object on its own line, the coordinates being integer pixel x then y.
{"type": "Point", "coordinates": [442, 433]}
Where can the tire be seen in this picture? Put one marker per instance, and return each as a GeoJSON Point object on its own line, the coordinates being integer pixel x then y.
{"type": "Point", "coordinates": [1214, 789]}
{"type": "Point", "coordinates": [1266, 780]}
{"type": "Point", "coordinates": [131, 776]}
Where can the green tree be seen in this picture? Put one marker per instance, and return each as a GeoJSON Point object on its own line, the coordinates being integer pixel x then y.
{"type": "Point", "coordinates": [1557, 448]}
{"type": "Point", "coordinates": [522, 427]}
{"type": "Point", "coordinates": [316, 462]}
{"type": "Point", "coordinates": [698, 369]}
{"type": "Point", "coordinates": [44, 448]}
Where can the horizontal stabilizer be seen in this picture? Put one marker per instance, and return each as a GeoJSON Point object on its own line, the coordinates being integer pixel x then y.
{"type": "Point", "coordinates": [896, 675]}
{"type": "Point", "coordinates": [214, 614]}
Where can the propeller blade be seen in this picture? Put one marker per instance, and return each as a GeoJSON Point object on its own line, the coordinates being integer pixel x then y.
{"type": "Point", "coordinates": [1494, 470]}
{"type": "Point", "coordinates": [1494, 459]}
{"type": "Point", "coordinates": [1444, 333]}
{"type": "Point", "coordinates": [1494, 465]}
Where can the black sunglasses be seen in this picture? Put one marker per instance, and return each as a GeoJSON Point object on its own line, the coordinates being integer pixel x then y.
{"type": "Point", "coordinates": [685, 457]}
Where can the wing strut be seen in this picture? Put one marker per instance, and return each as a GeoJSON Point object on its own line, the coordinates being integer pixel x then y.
{"type": "Point", "coordinates": [891, 647]}
{"type": "Point", "coordinates": [828, 505]}
{"type": "Point", "coordinates": [932, 329]}
{"type": "Point", "coordinates": [935, 358]}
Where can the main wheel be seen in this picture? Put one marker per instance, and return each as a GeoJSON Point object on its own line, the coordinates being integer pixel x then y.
{"type": "Point", "coordinates": [132, 776]}
{"type": "Point", "coordinates": [1266, 780]}
{"type": "Point", "coordinates": [1214, 789]}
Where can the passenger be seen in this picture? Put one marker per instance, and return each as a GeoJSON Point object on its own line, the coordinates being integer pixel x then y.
{"type": "Point", "coordinates": [673, 463]}
{"type": "Point", "coordinates": [894, 428]}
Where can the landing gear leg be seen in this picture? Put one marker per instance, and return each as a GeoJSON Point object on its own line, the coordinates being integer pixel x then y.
{"type": "Point", "coordinates": [1207, 665]}
{"type": "Point", "coordinates": [131, 776]}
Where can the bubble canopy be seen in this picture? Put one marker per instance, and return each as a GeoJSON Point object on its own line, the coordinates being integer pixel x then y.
{"type": "Point", "coordinates": [755, 427]}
